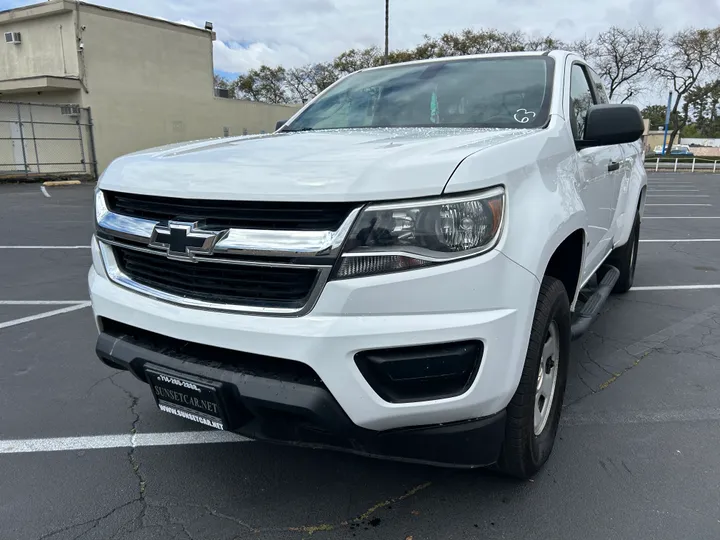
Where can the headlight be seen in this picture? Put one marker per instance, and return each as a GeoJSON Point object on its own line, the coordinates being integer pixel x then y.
{"type": "Point", "coordinates": [399, 236]}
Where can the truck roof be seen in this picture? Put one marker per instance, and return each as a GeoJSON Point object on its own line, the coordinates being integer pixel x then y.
{"type": "Point", "coordinates": [555, 53]}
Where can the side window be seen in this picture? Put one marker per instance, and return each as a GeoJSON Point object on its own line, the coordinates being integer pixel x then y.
{"type": "Point", "coordinates": [600, 94]}
{"type": "Point", "coordinates": [580, 100]}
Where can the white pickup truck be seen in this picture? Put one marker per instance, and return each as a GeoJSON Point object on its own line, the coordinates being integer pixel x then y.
{"type": "Point", "coordinates": [396, 271]}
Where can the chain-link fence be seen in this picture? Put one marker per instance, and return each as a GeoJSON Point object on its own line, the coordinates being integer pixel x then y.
{"type": "Point", "coordinates": [39, 140]}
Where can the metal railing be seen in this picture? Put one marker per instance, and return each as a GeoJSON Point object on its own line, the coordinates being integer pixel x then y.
{"type": "Point", "coordinates": [44, 140]}
{"type": "Point", "coordinates": [693, 164]}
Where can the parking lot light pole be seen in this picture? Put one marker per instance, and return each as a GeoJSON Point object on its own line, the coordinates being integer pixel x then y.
{"type": "Point", "coordinates": [667, 123]}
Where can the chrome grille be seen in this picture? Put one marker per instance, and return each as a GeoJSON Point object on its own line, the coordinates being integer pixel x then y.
{"type": "Point", "coordinates": [222, 283]}
{"type": "Point", "coordinates": [269, 271]}
{"type": "Point", "coordinates": [300, 216]}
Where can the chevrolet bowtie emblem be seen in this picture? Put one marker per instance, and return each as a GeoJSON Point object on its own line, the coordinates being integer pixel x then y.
{"type": "Point", "coordinates": [183, 240]}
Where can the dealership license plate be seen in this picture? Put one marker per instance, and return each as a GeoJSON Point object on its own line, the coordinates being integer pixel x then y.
{"type": "Point", "coordinates": [187, 398]}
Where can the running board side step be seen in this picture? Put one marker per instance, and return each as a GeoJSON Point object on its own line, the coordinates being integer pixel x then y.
{"type": "Point", "coordinates": [591, 309]}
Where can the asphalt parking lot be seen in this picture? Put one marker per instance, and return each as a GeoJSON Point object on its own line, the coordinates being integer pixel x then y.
{"type": "Point", "coordinates": [85, 454]}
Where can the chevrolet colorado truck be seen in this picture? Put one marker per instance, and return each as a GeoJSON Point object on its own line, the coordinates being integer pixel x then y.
{"type": "Point", "coordinates": [397, 271]}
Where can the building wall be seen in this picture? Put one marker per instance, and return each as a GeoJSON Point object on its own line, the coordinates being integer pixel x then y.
{"type": "Point", "coordinates": [701, 142]}
{"type": "Point", "coordinates": [151, 83]}
{"type": "Point", "coordinates": [48, 47]}
{"type": "Point", "coordinates": [52, 97]}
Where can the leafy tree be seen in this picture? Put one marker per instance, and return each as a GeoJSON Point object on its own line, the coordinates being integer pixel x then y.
{"type": "Point", "coordinates": [656, 115]}
{"type": "Point", "coordinates": [263, 84]}
{"type": "Point", "coordinates": [704, 107]}
{"type": "Point", "coordinates": [356, 59]}
{"type": "Point", "coordinates": [222, 82]}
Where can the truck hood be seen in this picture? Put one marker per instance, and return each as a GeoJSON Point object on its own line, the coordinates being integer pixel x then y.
{"type": "Point", "coordinates": [327, 165]}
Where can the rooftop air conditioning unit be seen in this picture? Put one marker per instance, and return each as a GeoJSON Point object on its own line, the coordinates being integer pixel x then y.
{"type": "Point", "coordinates": [13, 38]}
{"type": "Point", "coordinates": [70, 110]}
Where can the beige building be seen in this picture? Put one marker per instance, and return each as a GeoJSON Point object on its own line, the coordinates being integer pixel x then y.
{"type": "Point", "coordinates": [146, 82]}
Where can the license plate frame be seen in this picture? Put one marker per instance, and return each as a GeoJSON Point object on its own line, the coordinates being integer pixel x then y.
{"type": "Point", "coordinates": [195, 399]}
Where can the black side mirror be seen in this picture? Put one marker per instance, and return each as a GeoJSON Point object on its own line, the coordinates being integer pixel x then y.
{"type": "Point", "coordinates": [612, 124]}
{"type": "Point", "coordinates": [279, 124]}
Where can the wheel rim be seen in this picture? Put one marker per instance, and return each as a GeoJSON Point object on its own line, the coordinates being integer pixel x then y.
{"type": "Point", "coordinates": [547, 378]}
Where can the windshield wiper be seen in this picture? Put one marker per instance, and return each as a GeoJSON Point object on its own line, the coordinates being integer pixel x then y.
{"type": "Point", "coordinates": [296, 130]}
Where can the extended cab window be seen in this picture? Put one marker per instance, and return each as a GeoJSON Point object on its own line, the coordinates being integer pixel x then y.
{"type": "Point", "coordinates": [581, 100]}
{"type": "Point", "coordinates": [487, 92]}
{"type": "Point", "coordinates": [600, 94]}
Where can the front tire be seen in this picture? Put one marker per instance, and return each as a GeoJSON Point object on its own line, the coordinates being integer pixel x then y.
{"type": "Point", "coordinates": [533, 414]}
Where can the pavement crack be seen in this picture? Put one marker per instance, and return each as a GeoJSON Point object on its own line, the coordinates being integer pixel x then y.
{"type": "Point", "coordinates": [235, 520]}
{"type": "Point", "coordinates": [583, 344]}
{"type": "Point", "coordinates": [92, 522]}
{"type": "Point", "coordinates": [100, 381]}
{"type": "Point", "coordinates": [132, 458]}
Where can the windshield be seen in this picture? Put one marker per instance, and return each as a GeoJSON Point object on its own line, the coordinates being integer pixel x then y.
{"type": "Point", "coordinates": [489, 92]}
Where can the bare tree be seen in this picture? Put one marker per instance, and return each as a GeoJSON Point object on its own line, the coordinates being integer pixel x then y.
{"type": "Point", "coordinates": [623, 58]}
{"type": "Point", "coordinates": [304, 83]}
{"type": "Point", "coordinates": [685, 62]}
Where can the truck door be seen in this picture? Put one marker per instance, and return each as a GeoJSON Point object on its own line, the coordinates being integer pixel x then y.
{"type": "Point", "coordinates": [596, 178]}
{"type": "Point", "coordinates": [620, 168]}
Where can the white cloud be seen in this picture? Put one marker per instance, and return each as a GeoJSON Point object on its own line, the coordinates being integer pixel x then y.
{"type": "Point", "coordinates": [294, 32]}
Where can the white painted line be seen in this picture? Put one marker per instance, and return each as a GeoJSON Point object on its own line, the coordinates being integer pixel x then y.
{"type": "Point", "coordinates": [670, 190]}
{"type": "Point", "coordinates": [681, 217]}
{"type": "Point", "coordinates": [95, 442]}
{"type": "Point", "coordinates": [44, 247]}
{"type": "Point", "coordinates": [31, 318]}
{"type": "Point", "coordinates": [670, 241]}
{"type": "Point", "coordinates": [678, 204]}
{"type": "Point", "coordinates": [683, 196]}
{"type": "Point", "coordinates": [676, 288]}
{"type": "Point", "coordinates": [44, 192]}
{"type": "Point", "coordinates": [40, 302]}
{"type": "Point", "coordinates": [640, 417]}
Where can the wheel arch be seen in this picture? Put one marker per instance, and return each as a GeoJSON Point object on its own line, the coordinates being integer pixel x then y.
{"type": "Point", "coordinates": [566, 261]}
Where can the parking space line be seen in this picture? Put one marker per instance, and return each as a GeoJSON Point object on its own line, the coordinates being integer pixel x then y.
{"type": "Point", "coordinates": [45, 315]}
{"type": "Point", "coordinates": [683, 196]}
{"type": "Point", "coordinates": [670, 190]}
{"type": "Point", "coordinates": [678, 204]}
{"type": "Point", "coordinates": [128, 440]}
{"type": "Point", "coordinates": [44, 192]}
{"type": "Point", "coordinates": [681, 217]}
{"type": "Point", "coordinates": [40, 302]}
{"type": "Point", "coordinates": [44, 247]}
{"type": "Point", "coordinates": [676, 287]}
{"type": "Point", "coordinates": [640, 417]}
{"type": "Point", "coordinates": [671, 241]}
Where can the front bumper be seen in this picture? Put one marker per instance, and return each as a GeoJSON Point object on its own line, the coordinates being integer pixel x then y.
{"type": "Point", "coordinates": [488, 298]}
{"type": "Point", "coordinates": [303, 412]}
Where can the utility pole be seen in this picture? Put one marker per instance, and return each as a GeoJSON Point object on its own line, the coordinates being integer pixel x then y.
{"type": "Point", "coordinates": [387, 26]}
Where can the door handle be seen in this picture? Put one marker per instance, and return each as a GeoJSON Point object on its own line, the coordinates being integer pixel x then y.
{"type": "Point", "coordinates": [613, 166]}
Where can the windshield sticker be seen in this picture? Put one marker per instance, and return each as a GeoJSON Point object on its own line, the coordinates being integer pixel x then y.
{"type": "Point", "coordinates": [434, 114]}
{"type": "Point", "coordinates": [523, 116]}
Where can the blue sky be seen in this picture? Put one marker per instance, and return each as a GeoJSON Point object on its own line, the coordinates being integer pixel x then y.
{"type": "Point", "coordinates": [296, 32]}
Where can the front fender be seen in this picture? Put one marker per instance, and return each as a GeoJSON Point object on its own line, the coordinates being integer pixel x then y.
{"type": "Point", "coordinates": [632, 197]}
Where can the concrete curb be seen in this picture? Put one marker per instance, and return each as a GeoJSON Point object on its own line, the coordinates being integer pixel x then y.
{"type": "Point", "coordinates": [62, 183]}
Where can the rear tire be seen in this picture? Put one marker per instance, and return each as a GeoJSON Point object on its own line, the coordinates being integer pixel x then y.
{"type": "Point", "coordinates": [532, 422]}
{"type": "Point", "coordinates": [624, 259]}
